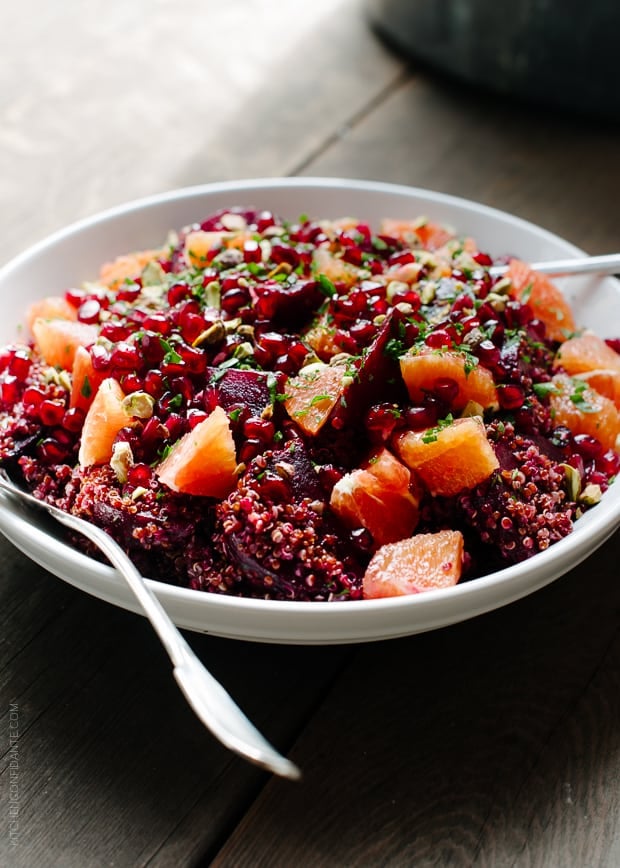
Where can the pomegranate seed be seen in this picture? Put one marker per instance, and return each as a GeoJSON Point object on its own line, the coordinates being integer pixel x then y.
{"type": "Point", "coordinates": [152, 348]}
{"type": "Point", "coordinates": [9, 389]}
{"type": "Point", "coordinates": [613, 343]}
{"type": "Point", "coordinates": [20, 364]}
{"type": "Point", "coordinates": [195, 417]}
{"type": "Point", "coordinates": [157, 322]}
{"type": "Point", "coordinates": [232, 300]}
{"type": "Point", "coordinates": [252, 251]}
{"type": "Point", "coordinates": [182, 386]}
{"type": "Point", "coordinates": [488, 353]}
{"type": "Point", "coordinates": [328, 477]}
{"type": "Point", "coordinates": [51, 412]}
{"type": "Point", "coordinates": [446, 389]}
{"type": "Point", "coordinates": [75, 297]}
{"type": "Point", "coordinates": [114, 331]}
{"type": "Point", "coordinates": [438, 339]}
{"type": "Point", "coordinates": [609, 462]}
{"type": "Point", "coordinates": [191, 325]}
{"type": "Point", "coordinates": [482, 259]}
{"type": "Point", "coordinates": [51, 451]}
{"type": "Point", "coordinates": [100, 358]}
{"type": "Point", "coordinates": [124, 357]}
{"type": "Point", "coordinates": [89, 311]}
{"type": "Point", "coordinates": [510, 397]}
{"type": "Point", "coordinates": [495, 331]}
{"type": "Point", "coordinates": [154, 383]}
{"type": "Point", "coordinates": [32, 396]}
{"type": "Point", "coordinates": [424, 416]}
{"type": "Point", "coordinates": [177, 293]}
{"type": "Point", "coordinates": [250, 449]}
{"type": "Point", "coordinates": [517, 314]}
{"type": "Point", "coordinates": [176, 425]}
{"type": "Point", "coordinates": [259, 429]}
{"type": "Point", "coordinates": [381, 421]}
{"type": "Point", "coordinates": [129, 292]}
{"type": "Point", "coordinates": [139, 474]}
{"type": "Point", "coordinates": [73, 419]}
{"type": "Point", "coordinates": [132, 383]}
{"type": "Point", "coordinates": [587, 446]}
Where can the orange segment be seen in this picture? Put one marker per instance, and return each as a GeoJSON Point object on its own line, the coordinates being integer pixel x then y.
{"type": "Point", "coordinates": [584, 410]}
{"type": "Point", "coordinates": [321, 337]}
{"type": "Point", "coordinates": [423, 562]}
{"type": "Point", "coordinates": [203, 461]}
{"type": "Point", "coordinates": [451, 459]}
{"type": "Point", "coordinates": [378, 497]}
{"type": "Point", "coordinates": [199, 244]}
{"type": "Point", "coordinates": [85, 380]}
{"type": "Point", "coordinates": [606, 383]}
{"type": "Point", "coordinates": [312, 395]}
{"type": "Point", "coordinates": [336, 269]}
{"type": "Point", "coordinates": [52, 307]}
{"type": "Point", "coordinates": [593, 360]}
{"type": "Point", "coordinates": [421, 371]}
{"type": "Point", "coordinates": [58, 339]}
{"type": "Point", "coordinates": [586, 352]}
{"type": "Point", "coordinates": [545, 299]}
{"type": "Point", "coordinates": [104, 420]}
{"type": "Point", "coordinates": [127, 267]}
{"type": "Point", "coordinates": [417, 233]}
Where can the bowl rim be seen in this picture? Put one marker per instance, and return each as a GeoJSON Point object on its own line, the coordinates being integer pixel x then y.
{"type": "Point", "coordinates": [542, 569]}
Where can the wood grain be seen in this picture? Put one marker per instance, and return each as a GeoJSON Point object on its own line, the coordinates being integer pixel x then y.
{"type": "Point", "coordinates": [558, 171]}
{"type": "Point", "coordinates": [457, 747]}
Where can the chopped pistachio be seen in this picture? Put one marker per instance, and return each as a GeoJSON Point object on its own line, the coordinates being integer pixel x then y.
{"type": "Point", "coordinates": [428, 291]}
{"type": "Point", "coordinates": [244, 350]}
{"type": "Point", "coordinates": [213, 335]}
{"type": "Point", "coordinates": [139, 404]}
{"type": "Point", "coordinates": [379, 319]}
{"type": "Point", "coordinates": [404, 307]}
{"type": "Point", "coordinates": [591, 495]}
{"type": "Point", "coordinates": [121, 460]}
{"type": "Point", "coordinates": [233, 222]}
{"type": "Point", "coordinates": [340, 359]}
{"type": "Point", "coordinates": [212, 294]}
{"type": "Point", "coordinates": [497, 302]}
{"type": "Point", "coordinates": [139, 492]}
{"type": "Point", "coordinates": [153, 274]}
{"type": "Point", "coordinates": [310, 359]}
{"type": "Point", "coordinates": [281, 268]}
{"type": "Point", "coordinates": [231, 325]}
{"type": "Point", "coordinates": [573, 480]}
{"type": "Point", "coordinates": [285, 470]}
{"type": "Point", "coordinates": [472, 408]}
{"type": "Point", "coordinates": [503, 286]}
{"type": "Point", "coordinates": [64, 380]}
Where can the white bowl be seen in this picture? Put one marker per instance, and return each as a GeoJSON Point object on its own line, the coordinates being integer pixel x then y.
{"type": "Point", "coordinates": [75, 254]}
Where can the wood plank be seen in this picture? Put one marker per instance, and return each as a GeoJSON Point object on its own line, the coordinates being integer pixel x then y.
{"type": "Point", "coordinates": [114, 767]}
{"type": "Point", "coordinates": [457, 746]}
{"type": "Point", "coordinates": [557, 171]}
{"type": "Point", "coordinates": [155, 96]}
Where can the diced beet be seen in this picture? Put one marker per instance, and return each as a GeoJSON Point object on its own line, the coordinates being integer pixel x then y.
{"type": "Point", "coordinates": [377, 379]}
{"type": "Point", "coordinates": [254, 389]}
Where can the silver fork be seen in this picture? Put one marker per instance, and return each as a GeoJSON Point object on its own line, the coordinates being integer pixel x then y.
{"type": "Point", "coordinates": [212, 704]}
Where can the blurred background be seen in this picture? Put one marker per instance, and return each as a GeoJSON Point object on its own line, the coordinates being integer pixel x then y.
{"type": "Point", "coordinates": [104, 101]}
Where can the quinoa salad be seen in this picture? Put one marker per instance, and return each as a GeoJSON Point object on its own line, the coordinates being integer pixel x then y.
{"type": "Point", "coordinates": [313, 409]}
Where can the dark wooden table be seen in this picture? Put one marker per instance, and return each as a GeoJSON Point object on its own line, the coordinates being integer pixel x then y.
{"type": "Point", "coordinates": [494, 742]}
